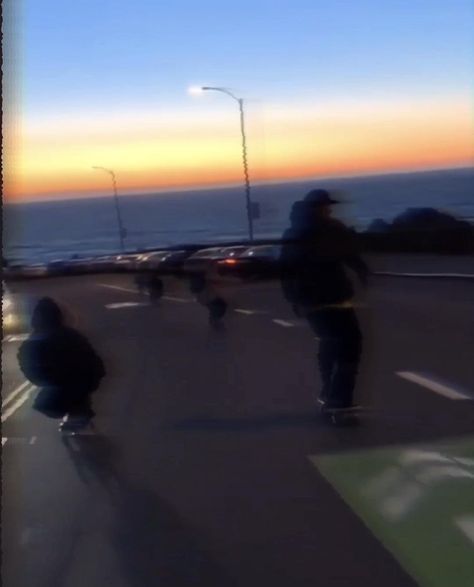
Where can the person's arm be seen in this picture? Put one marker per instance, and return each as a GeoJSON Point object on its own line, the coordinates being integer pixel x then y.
{"type": "Point", "coordinates": [286, 266]}
{"type": "Point", "coordinates": [32, 363]}
{"type": "Point", "coordinates": [91, 357]}
{"type": "Point", "coordinates": [360, 268]}
{"type": "Point", "coordinates": [354, 260]}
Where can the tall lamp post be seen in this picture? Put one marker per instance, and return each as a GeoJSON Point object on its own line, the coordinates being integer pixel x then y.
{"type": "Point", "coordinates": [240, 102]}
{"type": "Point", "coordinates": [121, 230]}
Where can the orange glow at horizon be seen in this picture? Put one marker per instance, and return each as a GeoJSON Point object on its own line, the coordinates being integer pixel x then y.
{"type": "Point", "coordinates": [58, 160]}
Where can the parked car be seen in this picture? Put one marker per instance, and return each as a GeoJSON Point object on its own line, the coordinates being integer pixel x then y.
{"type": "Point", "coordinates": [81, 265]}
{"type": "Point", "coordinates": [102, 264]}
{"type": "Point", "coordinates": [34, 270]}
{"type": "Point", "coordinates": [150, 260]}
{"type": "Point", "coordinates": [126, 262]}
{"type": "Point", "coordinates": [203, 260]}
{"type": "Point", "coordinates": [259, 262]}
{"type": "Point", "coordinates": [59, 267]}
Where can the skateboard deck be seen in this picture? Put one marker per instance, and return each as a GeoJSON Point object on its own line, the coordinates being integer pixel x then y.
{"type": "Point", "coordinates": [87, 430]}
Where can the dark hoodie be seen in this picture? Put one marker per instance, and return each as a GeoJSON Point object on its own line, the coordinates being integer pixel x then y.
{"type": "Point", "coordinates": [313, 257]}
{"type": "Point", "coordinates": [58, 356]}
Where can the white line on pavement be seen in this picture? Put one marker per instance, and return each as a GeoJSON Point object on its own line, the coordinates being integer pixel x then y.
{"type": "Point", "coordinates": [248, 312]}
{"type": "Point", "coordinates": [119, 305]}
{"type": "Point", "coordinates": [284, 323]}
{"type": "Point", "coordinates": [406, 274]}
{"type": "Point", "coordinates": [466, 524]}
{"type": "Point", "coordinates": [17, 404]}
{"type": "Point", "coordinates": [173, 299]}
{"type": "Point", "coordinates": [16, 337]}
{"type": "Point", "coordinates": [14, 393]}
{"type": "Point", "coordinates": [4, 440]}
{"type": "Point", "coordinates": [433, 385]}
{"type": "Point", "coordinates": [127, 289]}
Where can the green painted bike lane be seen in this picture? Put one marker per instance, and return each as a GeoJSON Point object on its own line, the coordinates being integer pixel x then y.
{"type": "Point", "coordinates": [419, 502]}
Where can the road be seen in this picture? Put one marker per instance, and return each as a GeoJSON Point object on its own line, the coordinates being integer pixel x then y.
{"type": "Point", "coordinates": [210, 466]}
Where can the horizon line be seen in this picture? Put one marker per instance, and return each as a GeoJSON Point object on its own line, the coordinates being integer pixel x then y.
{"type": "Point", "coordinates": [233, 185]}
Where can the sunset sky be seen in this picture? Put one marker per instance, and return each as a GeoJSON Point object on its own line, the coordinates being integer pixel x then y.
{"type": "Point", "coordinates": [331, 88]}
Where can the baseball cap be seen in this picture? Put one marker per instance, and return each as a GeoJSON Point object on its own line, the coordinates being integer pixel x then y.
{"type": "Point", "coordinates": [320, 197]}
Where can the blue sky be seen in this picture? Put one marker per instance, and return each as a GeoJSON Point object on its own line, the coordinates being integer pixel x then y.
{"type": "Point", "coordinates": [330, 87]}
{"type": "Point", "coordinates": [118, 54]}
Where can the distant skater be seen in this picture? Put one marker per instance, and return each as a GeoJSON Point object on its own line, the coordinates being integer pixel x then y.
{"type": "Point", "coordinates": [62, 362]}
{"type": "Point", "coordinates": [208, 297]}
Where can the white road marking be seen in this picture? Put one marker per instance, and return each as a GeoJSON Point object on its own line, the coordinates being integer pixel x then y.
{"type": "Point", "coordinates": [406, 274]}
{"type": "Point", "coordinates": [466, 524]}
{"type": "Point", "coordinates": [119, 305]}
{"type": "Point", "coordinates": [14, 393]}
{"type": "Point", "coordinates": [33, 439]}
{"type": "Point", "coordinates": [284, 323]}
{"type": "Point", "coordinates": [433, 385]}
{"type": "Point", "coordinates": [17, 404]}
{"type": "Point", "coordinates": [16, 338]}
{"type": "Point", "coordinates": [127, 289]}
{"type": "Point", "coordinates": [18, 440]}
{"type": "Point", "coordinates": [173, 299]}
{"type": "Point", "coordinates": [247, 312]}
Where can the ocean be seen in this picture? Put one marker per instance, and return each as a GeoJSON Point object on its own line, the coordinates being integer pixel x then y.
{"type": "Point", "coordinates": [43, 231]}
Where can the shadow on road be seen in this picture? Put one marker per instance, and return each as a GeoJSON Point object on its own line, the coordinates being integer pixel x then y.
{"type": "Point", "coordinates": [270, 421]}
{"type": "Point", "coordinates": [152, 542]}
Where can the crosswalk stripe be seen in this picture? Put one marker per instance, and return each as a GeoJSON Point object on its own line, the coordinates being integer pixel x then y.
{"type": "Point", "coordinates": [284, 323]}
{"type": "Point", "coordinates": [14, 393]}
{"type": "Point", "coordinates": [433, 385]}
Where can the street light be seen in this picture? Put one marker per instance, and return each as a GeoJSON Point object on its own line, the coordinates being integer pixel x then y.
{"type": "Point", "coordinates": [240, 102]}
{"type": "Point", "coordinates": [121, 230]}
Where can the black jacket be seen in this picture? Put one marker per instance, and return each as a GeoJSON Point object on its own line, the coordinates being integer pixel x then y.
{"type": "Point", "coordinates": [61, 358]}
{"type": "Point", "coordinates": [313, 261]}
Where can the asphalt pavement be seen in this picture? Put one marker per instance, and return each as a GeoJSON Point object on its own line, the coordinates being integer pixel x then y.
{"type": "Point", "coordinates": [210, 465]}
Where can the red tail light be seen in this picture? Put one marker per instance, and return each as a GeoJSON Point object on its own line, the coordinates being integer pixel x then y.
{"type": "Point", "coordinates": [228, 261]}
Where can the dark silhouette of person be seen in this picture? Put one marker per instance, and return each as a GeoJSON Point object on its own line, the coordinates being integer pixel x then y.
{"type": "Point", "coordinates": [315, 252]}
{"type": "Point", "coordinates": [62, 362]}
{"type": "Point", "coordinates": [200, 285]}
{"type": "Point", "coordinates": [149, 282]}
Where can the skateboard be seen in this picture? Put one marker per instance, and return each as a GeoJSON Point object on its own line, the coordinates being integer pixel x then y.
{"type": "Point", "coordinates": [87, 429]}
{"type": "Point", "coordinates": [341, 416]}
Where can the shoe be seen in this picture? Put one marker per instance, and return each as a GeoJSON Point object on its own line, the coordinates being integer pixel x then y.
{"type": "Point", "coordinates": [76, 425]}
{"type": "Point", "coordinates": [331, 406]}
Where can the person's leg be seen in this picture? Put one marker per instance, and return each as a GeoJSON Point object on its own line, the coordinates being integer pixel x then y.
{"type": "Point", "coordinates": [80, 412]}
{"type": "Point", "coordinates": [348, 353]}
{"type": "Point", "coordinates": [217, 309]}
{"type": "Point", "coordinates": [155, 289]}
{"type": "Point", "coordinates": [50, 402]}
{"type": "Point", "coordinates": [320, 323]}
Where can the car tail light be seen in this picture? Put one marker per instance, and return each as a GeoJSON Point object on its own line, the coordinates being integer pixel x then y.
{"type": "Point", "coordinates": [228, 261]}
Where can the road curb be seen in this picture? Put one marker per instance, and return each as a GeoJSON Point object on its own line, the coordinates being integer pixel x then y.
{"type": "Point", "coordinates": [424, 275]}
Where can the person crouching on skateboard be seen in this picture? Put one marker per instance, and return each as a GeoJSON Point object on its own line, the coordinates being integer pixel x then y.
{"type": "Point", "coordinates": [62, 362]}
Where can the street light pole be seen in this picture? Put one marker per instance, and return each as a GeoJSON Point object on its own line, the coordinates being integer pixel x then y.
{"type": "Point", "coordinates": [248, 201]}
{"type": "Point", "coordinates": [121, 230]}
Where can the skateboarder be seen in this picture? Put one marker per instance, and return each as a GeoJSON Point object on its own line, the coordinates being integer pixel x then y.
{"type": "Point", "coordinates": [60, 361]}
{"type": "Point", "coordinates": [207, 296]}
{"type": "Point", "coordinates": [316, 250]}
